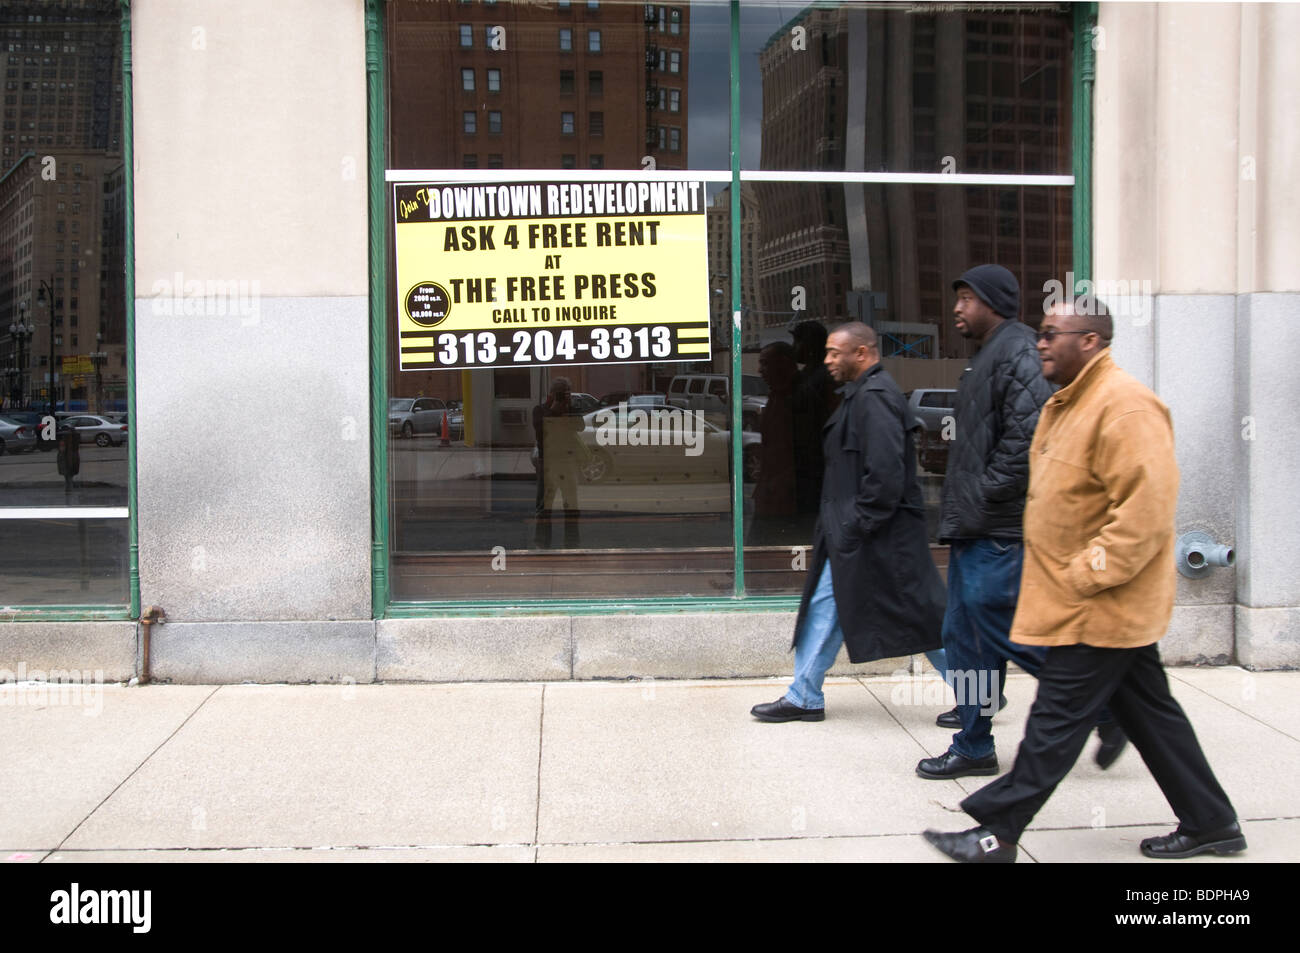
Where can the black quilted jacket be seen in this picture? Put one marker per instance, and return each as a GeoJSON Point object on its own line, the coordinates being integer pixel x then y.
{"type": "Point", "coordinates": [998, 399]}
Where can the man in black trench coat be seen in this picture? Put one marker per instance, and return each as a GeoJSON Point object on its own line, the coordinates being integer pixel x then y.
{"type": "Point", "coordinates": [872, 585]}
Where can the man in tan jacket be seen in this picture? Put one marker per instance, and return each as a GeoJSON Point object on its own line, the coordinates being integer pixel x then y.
{"type": "Point", "coordinates": [1097, 589]}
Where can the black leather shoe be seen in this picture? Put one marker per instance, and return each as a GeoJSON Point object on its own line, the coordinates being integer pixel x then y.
{"type": "Point", "coordinates": [950, 719]}
{"type": "Point", "coordinates": [782, 710]}
{"type": "Point", "coordinates": [975, 846]}
{"type": "Point", "coordinates": [1113, 743]}
{"type": "Point", "coordinates": [1178, 845]}
{"type": "Point", "coordinates": [952, 765]}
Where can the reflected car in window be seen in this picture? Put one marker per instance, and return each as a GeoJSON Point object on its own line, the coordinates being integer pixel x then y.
{"type": "Point", "coordinates": [92, 428]}
{"type": "Point", "coordinates": [422, 416]}
{"type": "Point", "coordinates": [659, 444]}
{"type": "Point", "coordinates": [931, 408]}
{"type": "Point", "coordinates": [16, 436]}
{"type": "Point", "coordinates": [36, 423]}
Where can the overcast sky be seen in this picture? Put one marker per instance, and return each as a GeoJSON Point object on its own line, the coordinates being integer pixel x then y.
{"type": "Point", "coordinates": [709, 64]}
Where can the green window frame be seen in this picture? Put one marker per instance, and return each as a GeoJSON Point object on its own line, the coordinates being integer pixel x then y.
{"type": "Point", "coordinates": [1085, 18]}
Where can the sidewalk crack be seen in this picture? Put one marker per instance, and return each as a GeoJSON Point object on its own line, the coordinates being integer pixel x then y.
{"type": "Point", "coordinates": [117, 787]}
{"type": "Point", "coordinates": [537, 815]}
{"type": "Point", "coordinates": [1173, 673]}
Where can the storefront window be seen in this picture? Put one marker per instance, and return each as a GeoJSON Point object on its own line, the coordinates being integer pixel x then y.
{"type": "Point", "coordinates": [829, 94]}
{"type": "Point", "coordinates": [64, 439]}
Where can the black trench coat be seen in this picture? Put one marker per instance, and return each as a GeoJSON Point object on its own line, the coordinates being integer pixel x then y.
{"type": "Point", "coordinates": [871, 525]}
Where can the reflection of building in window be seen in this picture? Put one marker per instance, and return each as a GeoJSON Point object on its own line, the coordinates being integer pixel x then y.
{"type": "Point", "coordinates": [82, 128]}
{"type": "Point", "coordinates": [719, 241]}
{"type": "Point", "coordinates": [976, 91]}
{"type": "Point", "coordinates": [622, 46]}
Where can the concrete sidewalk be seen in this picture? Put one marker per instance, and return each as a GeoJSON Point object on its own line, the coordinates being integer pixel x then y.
{"type": "Point", "coordinates": [580, 771]}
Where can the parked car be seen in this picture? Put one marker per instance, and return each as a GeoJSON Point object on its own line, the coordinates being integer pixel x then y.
{"type": "Point", "coordinates": [932, 408]}
{"type": "Point", "coordinates": [104, 432]}
{"type": "Point", "coordinates": [16, 436]}
{"type": "Point", "coordinates": [411, 416]}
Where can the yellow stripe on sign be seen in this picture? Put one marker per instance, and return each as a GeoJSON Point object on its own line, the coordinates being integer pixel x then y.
{"type": "Point", "coordinates": [701, 348]}
{"type": "Point", "coordinates": [692, 334]}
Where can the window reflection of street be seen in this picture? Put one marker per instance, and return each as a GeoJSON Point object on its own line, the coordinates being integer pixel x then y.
{"type": "Point", "coordinates": [33, 479]}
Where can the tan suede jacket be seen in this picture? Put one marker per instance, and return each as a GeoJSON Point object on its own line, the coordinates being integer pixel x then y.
{"type": "Point", "coordinates": [1099, 515]}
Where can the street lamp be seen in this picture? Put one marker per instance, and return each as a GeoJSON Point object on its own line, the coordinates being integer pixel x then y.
{"type": "Point", "coordinates": [98, 358]}
{"type": "Point", "coordinates": [21, 330]}
{"type": "Point", "coordinates": [47, 289]}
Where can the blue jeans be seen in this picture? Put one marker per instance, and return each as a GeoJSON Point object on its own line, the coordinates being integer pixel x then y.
{"type": "Point", "coordinates": [983, 585]}
{"type": "Point", "coordinates": [816, 645]}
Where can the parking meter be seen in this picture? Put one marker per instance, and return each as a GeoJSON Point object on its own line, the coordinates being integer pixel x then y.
{"type": "Point", "coordinates": [69, 456]}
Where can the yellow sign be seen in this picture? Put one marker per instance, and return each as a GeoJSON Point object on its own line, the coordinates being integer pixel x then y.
{"type": "Point", "coordinates": [78, 364]}
{"type": "Point", "coordinates": [550, 273]}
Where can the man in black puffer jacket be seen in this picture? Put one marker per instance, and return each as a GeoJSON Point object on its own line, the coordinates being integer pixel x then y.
{"type": "Point", "coordinates": [998, 399]}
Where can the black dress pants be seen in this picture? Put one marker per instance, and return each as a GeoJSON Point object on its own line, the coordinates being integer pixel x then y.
{"type": "Point", "coordinates": [1074, 684]}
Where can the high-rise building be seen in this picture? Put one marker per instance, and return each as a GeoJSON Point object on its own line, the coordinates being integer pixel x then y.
{"type": "Point", "coordinates": [60, 140]}
{"type": "Point", "coordinates": [515, 85]}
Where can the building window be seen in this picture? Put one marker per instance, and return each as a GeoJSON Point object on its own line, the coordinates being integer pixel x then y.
{"type": "Point", "coordinates": [470, 161]}
{"type": "Point", "coordinates": [566, 39]}
{"type": "Point", "coordinates": [568, 161]}
{"type": "Point", "coordinates": [566, 124]}
{"type": "Point", "coordinates": [593, 4]}
{"type": "Point", "coordinates": [595, 123]}
{"type": "Point", "coordinates": [674, 140]}
{"type": "Point", "coordinates": [663, 137]}
{"type": "Point", "coordinates": [663, 97]}
{"type": "Point", "coordinates": [467, 80]}
{"type": "Point", "coordinates": [494, 161]}
{"type": "Point", "coordinates": [566, 82]}
{"type": "Point", "coordinates": [470, 123]}
{"type": "Point", "coordinates": [494, 122]}
{"type": "Point", "coordinates": [597, 161]}
{"type": "Point", "coordinates": [494, 80]}
{"type": "Point", "coordinates": [676, 21]}
{"type": "Point", "coordinates": [466, 35]}
{"type": "Point", "coordinates": [663, 61]}
{"type": "Point", "coordinates": [595, 83]}
{"type": "Point", "coordinates": [593, 41]}
{"type": "Point", "coordinates": [675, 61]}
{"type": "Point", "coordinates": [674, 100]}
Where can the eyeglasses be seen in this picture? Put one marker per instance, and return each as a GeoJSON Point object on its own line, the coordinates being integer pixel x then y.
{"type": "Point", "coordinates": [1050, 334]}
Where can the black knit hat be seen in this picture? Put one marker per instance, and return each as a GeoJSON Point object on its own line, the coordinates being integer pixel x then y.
{"type": "Point", "coordinates": [995, 286]}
